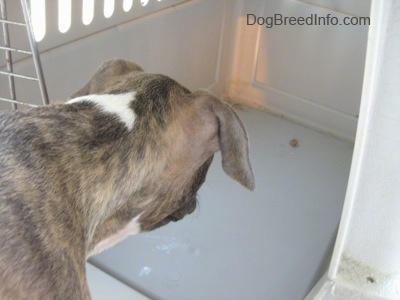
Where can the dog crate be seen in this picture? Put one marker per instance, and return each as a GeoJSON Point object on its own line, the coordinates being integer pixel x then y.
{"type": "Point", "coordinates": [297, 74]}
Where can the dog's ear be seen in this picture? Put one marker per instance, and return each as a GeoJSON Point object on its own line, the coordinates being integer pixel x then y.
{"type": "Point", "coordinates": [233, 141]}
{"type": "Point", "coordinates": [106, 75]}
{"type": "Point", "coordinates": [81, 92]}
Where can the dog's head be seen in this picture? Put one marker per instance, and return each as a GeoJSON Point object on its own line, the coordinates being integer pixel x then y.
{"type": "Point", "coordinates": [175, 135]}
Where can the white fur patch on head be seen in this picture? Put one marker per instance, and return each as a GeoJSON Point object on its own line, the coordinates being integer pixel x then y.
{"type": "Point", "coordinates": [133, 227]}
{"type": "Point", "coordinates": [118, 104]}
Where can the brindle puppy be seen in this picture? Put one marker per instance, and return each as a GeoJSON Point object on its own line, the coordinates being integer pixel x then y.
{"type": "Point", "coordinates": [126, 155]}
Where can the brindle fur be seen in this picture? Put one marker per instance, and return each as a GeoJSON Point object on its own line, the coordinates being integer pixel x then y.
{"type": "Point", "coordinates": [71, 175]}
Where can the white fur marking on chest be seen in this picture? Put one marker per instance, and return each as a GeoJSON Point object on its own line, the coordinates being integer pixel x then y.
{"type": "Point", "coordinates": [118, 104]}
{"type": "Point", "coordinates": [133, 227]}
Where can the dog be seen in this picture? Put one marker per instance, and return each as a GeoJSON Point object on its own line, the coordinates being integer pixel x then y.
{"type": "Point", "coordinates": [126, 154]}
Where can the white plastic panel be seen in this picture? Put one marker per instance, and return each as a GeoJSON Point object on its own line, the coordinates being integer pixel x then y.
{"type": "Point", "coordinates": [159, 42]}
{"type": "Point", "coordinates": [366, 260]}
{"type": "Point", "coordinates": [320, 64]}
{"type": "Point", "coordinates": [311, 73]}
{"type": "Point", "coordinates": [355, 8]}
{"type": "Point", "coordinates": [54, 38]}
{"type": "Point", "coordinates": [368, 248]}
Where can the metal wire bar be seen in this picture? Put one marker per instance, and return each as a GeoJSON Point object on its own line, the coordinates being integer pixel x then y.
{"type": "Point", "coordinates": [35, 52]}
{"type": "Point", "coordinates": [19, 75]}
{"type": "Point", "coordinates": [17, 102]}
{"type": "Point", "coordinates": [3, 20]}
{"type": "Point", "coordinates": [16, 50]}
{"type": "Point", "coordinates": [8, 51]}
{"type": "Point", "coordinates": [11, 84]}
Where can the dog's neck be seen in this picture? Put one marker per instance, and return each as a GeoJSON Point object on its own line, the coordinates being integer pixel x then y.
{"type": "Point", "coordinates": [113, 200]}
{"type": "Point", "coordinates": [111, 196]}
{"type": "Point", "coordinates": [110, 174]}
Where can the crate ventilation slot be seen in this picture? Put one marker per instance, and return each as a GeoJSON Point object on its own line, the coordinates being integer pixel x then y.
{"type": "Point", "coordinates": [78, 18]}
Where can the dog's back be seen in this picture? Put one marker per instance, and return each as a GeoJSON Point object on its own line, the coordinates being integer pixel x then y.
{"type": "Point", "coordinates": [79, 177]}
{"type": "Point", "coordinates": [33, 262]}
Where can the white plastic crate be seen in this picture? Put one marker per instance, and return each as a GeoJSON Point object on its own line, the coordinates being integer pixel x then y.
{"type": "Point", "coordinates": [275, 243]}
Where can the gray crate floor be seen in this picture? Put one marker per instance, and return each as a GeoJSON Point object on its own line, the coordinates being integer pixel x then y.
{"type": "Point", "coordinates": [267, 244]}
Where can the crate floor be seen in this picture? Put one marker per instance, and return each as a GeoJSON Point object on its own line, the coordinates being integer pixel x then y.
{"type": "Point", "coordinates": [269, 244]}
